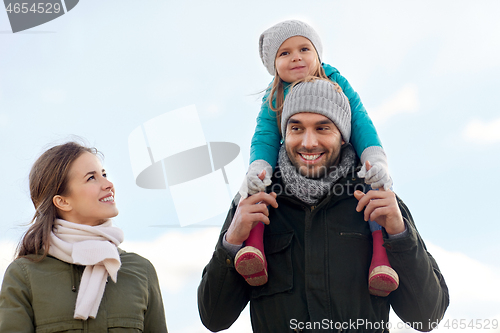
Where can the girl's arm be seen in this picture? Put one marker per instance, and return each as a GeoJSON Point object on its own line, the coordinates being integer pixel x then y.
{"type": "Point", "coordinates": [266, 140]}
{"type": "Point", "coordinates": [263, 151]}
{"type": "Point", "coordinates": [363, 132]}
{"type": "Point", "coordinates": [364, 137]}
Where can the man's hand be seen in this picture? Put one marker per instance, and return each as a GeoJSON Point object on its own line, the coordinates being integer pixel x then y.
{"type": "Point", "coordinates": [382, 207]}
{"type": "Point", "coordinates": [250, 211]}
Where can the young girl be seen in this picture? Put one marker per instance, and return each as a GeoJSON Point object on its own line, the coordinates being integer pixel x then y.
{"type": "Point", "coordinates": [291, 50]}
{"type": "Point", "coordinates": [70, 274]}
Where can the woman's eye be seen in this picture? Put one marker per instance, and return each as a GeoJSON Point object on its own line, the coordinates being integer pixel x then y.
{"type": "Point", "coordinates": [105, 175]}
{"type": "Point", "coordinates": [90, 178]}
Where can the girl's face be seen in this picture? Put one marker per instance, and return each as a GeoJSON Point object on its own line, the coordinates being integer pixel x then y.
{"type": "Point", "coordinates": [90, 198]}
{"type": "Point", "coordinates": [296, 58]}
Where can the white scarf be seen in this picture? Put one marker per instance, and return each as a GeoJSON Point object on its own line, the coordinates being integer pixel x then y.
{"type": "Point", "coordinates": [95, 247]}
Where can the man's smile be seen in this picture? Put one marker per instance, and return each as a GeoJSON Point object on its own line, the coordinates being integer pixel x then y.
{"type": "Point", "coordinates": [311, 157]}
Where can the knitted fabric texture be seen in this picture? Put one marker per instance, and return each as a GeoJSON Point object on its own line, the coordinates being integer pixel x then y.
{"type": "Point", "coordinates": [310, 190]}
{"type": "Point", "coordinates": [94, 247]}
{"type": "Point", "coordinates": [322, 97]}
{"type": "Point", "coordinates": [271, 40]}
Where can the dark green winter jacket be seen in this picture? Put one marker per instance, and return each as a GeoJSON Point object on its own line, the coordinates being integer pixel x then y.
{"type": "Point", "coordinates": [39, 297]}
{"type": "Point", "coordinates": [318, 262]}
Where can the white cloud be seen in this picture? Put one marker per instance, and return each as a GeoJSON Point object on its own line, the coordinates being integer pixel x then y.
{"type": "Point", "coordinates": [7, 249]}
{"type": "Point", "coordinates": [470, 282]}
{"type": "Point", "coordinates": [178, 257]}
{"type": "Point", "coordinates": [473, 288]}
{"type": "Point", "coordinates": [404, 101]}
{"type": "Point", "coordinates": [478, 131]}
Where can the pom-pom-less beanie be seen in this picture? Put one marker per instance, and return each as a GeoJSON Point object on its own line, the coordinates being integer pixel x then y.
{"type": "Point", "coordinates": [271, 40]}
{"type": "Point", "coordinates": [322, 97]}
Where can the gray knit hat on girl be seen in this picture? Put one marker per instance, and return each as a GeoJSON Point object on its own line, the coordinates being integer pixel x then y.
{"type": "Point", "coordinates": [322, 97]}
{"type": "Point", "coordinates": [271, 40]}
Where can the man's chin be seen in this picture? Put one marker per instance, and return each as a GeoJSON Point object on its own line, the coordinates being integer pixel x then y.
{"type": "Point", "coordinates": [312, 173]}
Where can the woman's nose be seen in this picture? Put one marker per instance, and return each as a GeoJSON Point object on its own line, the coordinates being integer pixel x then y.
{"type": "Point", "coordinates": [107, 184]}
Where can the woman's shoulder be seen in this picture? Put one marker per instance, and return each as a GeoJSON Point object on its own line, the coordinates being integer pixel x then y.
{"type": "Point", "coordinates": [133, 258]}
{"type": "Point", "coordinates": [32, 266]}
{"type": "Point", "coordinates": [33, 260]}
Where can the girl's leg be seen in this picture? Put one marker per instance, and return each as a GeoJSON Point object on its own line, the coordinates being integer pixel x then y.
{"type": "Point", "coordinates": [382, 278]}
{"type": "Point", "coordinates": [250, 261]}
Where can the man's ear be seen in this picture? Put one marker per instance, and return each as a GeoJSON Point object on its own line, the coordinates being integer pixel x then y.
{"type": "Point", "coordinates": [61, 203]}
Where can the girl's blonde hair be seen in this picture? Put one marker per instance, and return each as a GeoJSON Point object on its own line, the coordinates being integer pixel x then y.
{"type": "Point", "coordinates": [278, 90]}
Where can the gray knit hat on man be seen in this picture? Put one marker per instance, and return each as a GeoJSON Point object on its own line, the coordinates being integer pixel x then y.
{"type": "Point", "coordinates": [271, 40]}
{"type": "Point", "coordinates": [322, 97]}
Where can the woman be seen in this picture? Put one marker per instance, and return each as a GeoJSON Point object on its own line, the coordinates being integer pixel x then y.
{"type": "Point", "coordinates": [69, 274]}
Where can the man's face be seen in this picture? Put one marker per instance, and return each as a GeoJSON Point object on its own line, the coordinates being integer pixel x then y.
{"type": "Point", "coordinates": [312, 143]}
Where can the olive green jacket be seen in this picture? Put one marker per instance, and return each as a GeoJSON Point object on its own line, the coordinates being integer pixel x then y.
{"type": "Point", "coordinates": [40, 297]}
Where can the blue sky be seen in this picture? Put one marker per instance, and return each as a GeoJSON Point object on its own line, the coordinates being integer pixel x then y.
{"type": "Point", "coordinates": [428, 73]}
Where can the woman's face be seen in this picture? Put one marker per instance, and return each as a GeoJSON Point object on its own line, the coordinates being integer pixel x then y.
{"type": "Point", "coordinates": [90, 195]}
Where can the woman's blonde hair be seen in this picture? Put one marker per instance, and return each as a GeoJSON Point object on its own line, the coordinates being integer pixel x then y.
{"type": "Point", "coordinates": [278, 91]}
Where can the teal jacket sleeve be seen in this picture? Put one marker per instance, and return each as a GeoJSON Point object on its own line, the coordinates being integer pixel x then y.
{"type": "Point", "coordinates": [266, 140]}
{"type": "Point", "coordinates": [363, 132]}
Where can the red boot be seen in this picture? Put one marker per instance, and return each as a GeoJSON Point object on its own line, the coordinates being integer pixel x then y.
{"type": "Point", "coordinates": [382, 279]}
{"type": "Point", "coordinates": [250, 261]}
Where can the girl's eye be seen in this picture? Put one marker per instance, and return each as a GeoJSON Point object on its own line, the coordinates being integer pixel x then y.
{"type": "Point", "coordinates": [283, 54]}
{"type": "Point", "coordinates": [90, 178]}
{"type": "Point", "coordinates": [105, 175]}
{"type": "Point", "coordinates": [304, 49]}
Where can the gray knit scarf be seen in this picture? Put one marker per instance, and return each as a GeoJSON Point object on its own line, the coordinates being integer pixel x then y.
{"type": "Point", "coordinates": [309, 190]}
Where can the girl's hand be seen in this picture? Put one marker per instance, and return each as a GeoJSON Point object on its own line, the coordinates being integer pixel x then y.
{"type": "Point", "coordinates": [250, 211]}
{"type": "Point", "coordinates": [252, 183]}
{"type": "Point", "coordinates": [375, 168]}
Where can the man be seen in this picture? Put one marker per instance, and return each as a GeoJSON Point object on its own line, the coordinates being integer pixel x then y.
{"type": "Point", "coordinates": [317, 239]}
